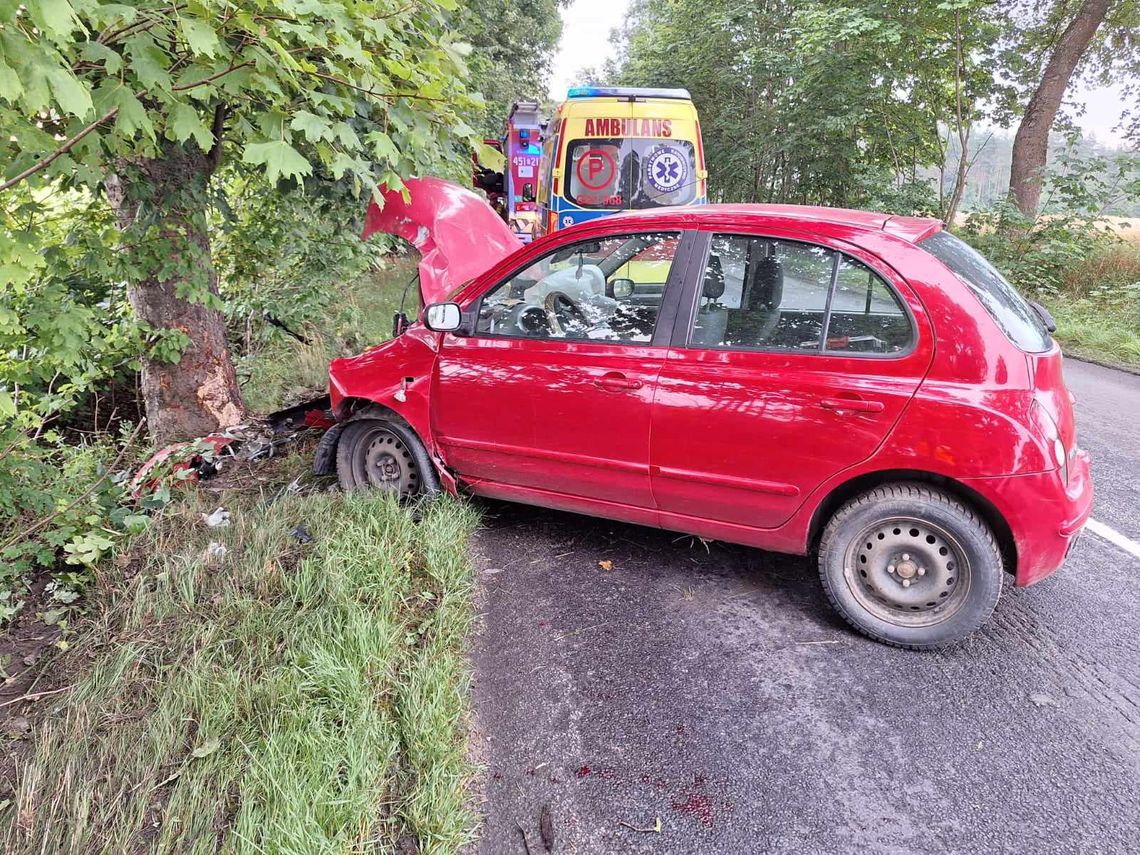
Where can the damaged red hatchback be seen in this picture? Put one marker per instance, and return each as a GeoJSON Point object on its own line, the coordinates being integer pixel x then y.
{"type": "Point", "coordinates": [861, 387]}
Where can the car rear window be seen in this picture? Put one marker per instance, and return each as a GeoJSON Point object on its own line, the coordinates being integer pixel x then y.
{"type": "Point", "coordinates": [631, 173]}
{"type": "Point", "coordinates": [1010, 310]}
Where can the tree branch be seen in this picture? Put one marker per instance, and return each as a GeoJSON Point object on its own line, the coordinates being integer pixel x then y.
{"type": "Point", "coordinates": [373, 92]}
{"type": "Point", "coordinates": [182, 87]}
{"type": "Point", "coordinates": [214, 156]}
{"type": "Point", "coordinates": [59, 152]}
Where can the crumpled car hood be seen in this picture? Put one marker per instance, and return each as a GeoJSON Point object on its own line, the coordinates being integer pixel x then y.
{"type": "Point", "coordinates": [457, 233]}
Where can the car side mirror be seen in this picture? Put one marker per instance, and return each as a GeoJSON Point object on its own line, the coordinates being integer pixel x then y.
{"type": "Point", "coordinates": [443, 317]}
{"type": "Point", "coordinates": [620, 289]}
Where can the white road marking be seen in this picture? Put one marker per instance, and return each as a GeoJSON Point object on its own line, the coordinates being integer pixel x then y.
{"type": "Point", "coordinates": [1114, 537]}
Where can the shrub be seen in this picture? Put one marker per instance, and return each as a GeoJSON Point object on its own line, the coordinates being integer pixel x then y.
{"type": "Point", "coordinates": [59, 499]}
{"type": "Point", "coordinates": [1037, 255]}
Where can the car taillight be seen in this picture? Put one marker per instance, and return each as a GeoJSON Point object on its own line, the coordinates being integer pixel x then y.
{"type": "Point", "coordinates": [1053, 437]}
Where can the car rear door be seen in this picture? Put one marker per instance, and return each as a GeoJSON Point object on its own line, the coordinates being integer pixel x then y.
{"type": "Point", "coordinates": [551, 394]}
{"type": "Point", "coordinates": [755, 406]}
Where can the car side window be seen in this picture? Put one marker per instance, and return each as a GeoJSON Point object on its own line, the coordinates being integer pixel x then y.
{"type": "Point", "coordinates": [603, 289]}
{"type": "Point", "coordinates": [866, 315]}
{"type": "Point", "coordinates": [761, 294]}
{"type": "Point", "coordinates": [765, 294]}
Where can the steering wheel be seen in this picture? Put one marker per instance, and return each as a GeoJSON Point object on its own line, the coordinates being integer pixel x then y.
{"type": "Point", "coordinates": [564, 312]}
{"type": "Point", "coordinates": [530, 321]}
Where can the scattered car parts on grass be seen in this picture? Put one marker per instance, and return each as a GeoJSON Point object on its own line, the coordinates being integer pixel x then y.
{"type": "Point", "coordinates": [258, 440]}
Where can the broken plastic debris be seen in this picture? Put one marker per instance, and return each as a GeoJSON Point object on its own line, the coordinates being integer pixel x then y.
{"type": "Point", "coordinates": [301, 534]}
{"type": "Point", "coordinates": [606, 564]}
{"type": "Point", "coordinates": [219, 518]}
{"type": "Point", "coordinates": [216, 550]}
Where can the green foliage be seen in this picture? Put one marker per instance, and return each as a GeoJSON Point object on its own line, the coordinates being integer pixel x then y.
{"type": "Point", "coordinates": [1113, 57]}
{"type": "Point", "coordinates": [1105, 327]}
{"type": "Point", "coordinates": [351, 88]}
{"type": "Point", "coordinates": [57, 498]}
{"type": "Point", "coordinates": [113, 118]}
{"type": "Point", "coordinates": [1038, 255]}
{"type": "Point", "coordinates": [1084, 267]}
{"type": "Point", "coordinates": [1035, 255]}
{"type": "Point", "coordinates": [276, 370]}
{"type": "Point", "coordinates": [512, 42]}
{"type": "Point", "coordinates": [818, 102]}
{"type": "Point", "coordinates": [288, 255]}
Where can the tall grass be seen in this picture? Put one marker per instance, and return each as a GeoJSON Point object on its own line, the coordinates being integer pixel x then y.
{"type": "Point", "coordinates": [1097, 308]}
{"type": "Point", "coordinates": [283, 697]}
{"type": "Point", "coordinates": [286, 371]}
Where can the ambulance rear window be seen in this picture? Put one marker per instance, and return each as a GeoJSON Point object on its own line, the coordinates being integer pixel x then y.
{"type": "Point", "coordinates": [630, 173]}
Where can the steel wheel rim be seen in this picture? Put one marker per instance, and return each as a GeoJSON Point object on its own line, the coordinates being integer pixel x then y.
{"type": "Point", "coordinates": [386, 463]}
{"type": "Point", "coordinates": [907, 571]}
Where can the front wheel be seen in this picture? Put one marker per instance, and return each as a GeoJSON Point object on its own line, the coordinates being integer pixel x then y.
{"type": "Point", "coordinates": [910, 565]}
{"type": "Point", "coordinates": [379, 454]}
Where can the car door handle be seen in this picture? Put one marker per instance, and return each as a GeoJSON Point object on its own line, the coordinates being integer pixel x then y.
{"type": "Point", "coordinates": [857, 405]}
{"type": "Point", "coordinates": [614, 382]}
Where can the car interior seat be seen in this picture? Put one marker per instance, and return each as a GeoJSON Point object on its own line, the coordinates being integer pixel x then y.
{"type": "Point", "coordinates": [763, 293]}
{"type": "Point", "coordinates": [712, 316]}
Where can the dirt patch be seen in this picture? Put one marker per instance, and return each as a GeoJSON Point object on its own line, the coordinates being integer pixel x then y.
{"type": "Point", "coordinates": [24, 643]}
{"type": "Point", "coordinates": [25, 647]}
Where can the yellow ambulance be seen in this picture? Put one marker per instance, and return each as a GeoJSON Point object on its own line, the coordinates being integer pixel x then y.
{"type": "Point", "coordinates": [610, 149]}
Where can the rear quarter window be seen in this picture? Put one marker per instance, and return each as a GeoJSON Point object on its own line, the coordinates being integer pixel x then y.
{"type": "Point", "coordinates": [1009, 309]}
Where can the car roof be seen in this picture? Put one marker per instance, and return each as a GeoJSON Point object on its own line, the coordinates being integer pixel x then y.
{"type": "Point", "coordinates": [911, 229]}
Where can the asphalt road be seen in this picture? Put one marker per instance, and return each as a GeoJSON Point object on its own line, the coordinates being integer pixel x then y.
{"type": "Point", "coordinates": [713, 689]}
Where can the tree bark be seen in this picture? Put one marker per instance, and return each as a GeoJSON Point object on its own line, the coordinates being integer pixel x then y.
{"type": "Point", "coordinates": [160, 204]}
{"type": "Point", "coordinates": [963, 125]}
{"type": "Point", "coordinates": [1031, 143]}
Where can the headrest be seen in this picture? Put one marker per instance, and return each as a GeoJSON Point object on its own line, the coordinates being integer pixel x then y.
{"type": "Point", "coordinates": [767, 289]}
{"type": "Point", "coordinates": [714, 278]}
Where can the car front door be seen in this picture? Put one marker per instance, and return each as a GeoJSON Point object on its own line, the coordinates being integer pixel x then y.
{"type": "Point", "coordinates": [550, 394]}
{"type": "Point", "coordinates": [793, 362]}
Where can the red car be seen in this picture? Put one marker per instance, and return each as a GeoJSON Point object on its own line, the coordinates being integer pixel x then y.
{"type": "Point", "coordinates": [860, 387]}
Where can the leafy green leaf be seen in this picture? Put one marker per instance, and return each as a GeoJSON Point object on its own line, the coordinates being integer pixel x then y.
{"type": "Point", "coordinates": [148, 62]}
{"type": "Point", "coordinates": [279, 158]}
{"type": "Point", "coordinates": [186, 123]}
{"type": "Point", "coordinates": [131, 117]}
{"type": "Point", "coordinates": [95, 52]}
{"type": "Point", "coordinates": [55, 17]}
{"type": "Point", "coordinates": [71, 95]}
{"type": "Point", "coordinates": [314, 127]}
{"type": "Point", "coordinates": [200, 36]}
{"type": "Point", "coordinates": [10, 86]}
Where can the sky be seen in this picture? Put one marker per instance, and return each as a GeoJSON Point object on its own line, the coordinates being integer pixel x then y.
{"type": "Point", "coordinates": [586, 26]}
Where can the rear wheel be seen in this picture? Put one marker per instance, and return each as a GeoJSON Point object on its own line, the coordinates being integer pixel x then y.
{"type": "Point", "coordinates": [910, 565]}
{"type": "Point", "coordinates": [378, 454]}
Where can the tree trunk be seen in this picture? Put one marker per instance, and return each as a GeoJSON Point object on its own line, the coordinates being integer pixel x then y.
{"type": "Point", "coordinates": [1031, 144]}
{"type": "Point", "coordinates": [963, 125]}
{"type": "Point", "coordinates": [161, 207]}
{"type": "Point", "coordinates": [959, 177]}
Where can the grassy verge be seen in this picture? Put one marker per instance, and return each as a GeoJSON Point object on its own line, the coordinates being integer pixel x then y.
{"type": "Point", "coordinates": [1098, 329]}
{"type": "Point", "coordinates": [287, 371]}
{"type": "Point", "coordinates": [282, 697]}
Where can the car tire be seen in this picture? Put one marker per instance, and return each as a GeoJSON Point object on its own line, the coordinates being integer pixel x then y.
{"type": "Point", "coordinates": [910, 565]}
{"type": "Point", "coordinates": [381, 454]}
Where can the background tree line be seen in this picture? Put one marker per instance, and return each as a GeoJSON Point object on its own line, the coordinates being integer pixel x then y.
{"type": "Point", "coordinates": [861, 102]}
